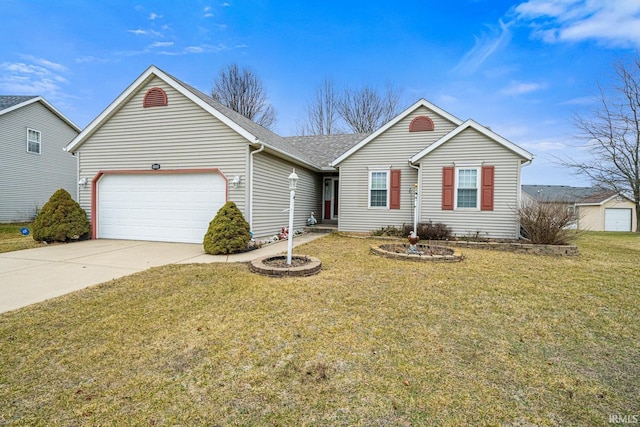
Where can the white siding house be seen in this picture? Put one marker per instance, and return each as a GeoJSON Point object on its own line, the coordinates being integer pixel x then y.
{"type": "Point", "coordinates": [164, 154]}
{"type": "Point", "coordinates": [33, 164]}
{"type": "Point", "coordinates": [161, 126]}
{"type": "Point", "coordinates": [423, 145]}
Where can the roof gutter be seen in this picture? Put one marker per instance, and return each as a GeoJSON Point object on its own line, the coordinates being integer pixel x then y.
{"type": "Point", "coordinates": [253, 153]}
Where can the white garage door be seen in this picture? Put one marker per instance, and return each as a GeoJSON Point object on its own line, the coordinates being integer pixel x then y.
{"type": "Point", "coordinates": [159, 207]}
{"type": "Point", "coordinates": [617, 219]}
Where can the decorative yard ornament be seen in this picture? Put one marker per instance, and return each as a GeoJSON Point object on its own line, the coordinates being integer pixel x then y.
{"type": "Point", "coordinates": [311, 221]}
{"type": "Point", "coordinates": [413, 240]}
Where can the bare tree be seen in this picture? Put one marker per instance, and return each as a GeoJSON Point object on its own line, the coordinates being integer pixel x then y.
{"type": "Point", "coordinates": [612, 133]}
{"type": "Point", "coordinates": [364, 110]}
{"type": "Point", "coordinates": [321, 117]}
{"type": "Point", "coordinates": [243, 92]}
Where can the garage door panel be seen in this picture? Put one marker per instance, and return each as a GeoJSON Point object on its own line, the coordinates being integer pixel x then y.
{"type": "Point", "coordinates": [167, 207]}
{"type": "Point", "coordinates": [617, 219]}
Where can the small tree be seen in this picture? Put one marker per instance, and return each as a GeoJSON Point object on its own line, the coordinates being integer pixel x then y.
{"type": "Point", "coordinates": [61, 219]}
{"type": "Point", "coordinates": [243, 92]}
{"type": "Point", "coordinates": [612, 135]}
{"type": "Point", "coordinates": [546, 222]}
{"type": "Point", "coordinates": [365, 110]}
{"type": "Point", "coordinates": [322, 116]}
{"type": "Point", "coordinates": [228, 232]}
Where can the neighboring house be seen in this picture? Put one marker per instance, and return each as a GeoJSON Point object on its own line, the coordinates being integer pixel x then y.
{"type": "Point", "coordinates": [33, 164]}
{"type": "Point", "coordinates": [596, 208]}
{"type": "Point", "coordinates": [163, 157]}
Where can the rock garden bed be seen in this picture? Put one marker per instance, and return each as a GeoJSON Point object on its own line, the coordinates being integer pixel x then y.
{"type": "Point", "coordinates": [429, 252]}
{"type": "Point", "coordinates": [276, 266]}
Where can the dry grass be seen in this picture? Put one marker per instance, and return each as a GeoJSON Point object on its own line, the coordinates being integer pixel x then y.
{"type": "Point", "coordinates": [12, 240]}
{"type": "Point", "coordinates": [498, 339]}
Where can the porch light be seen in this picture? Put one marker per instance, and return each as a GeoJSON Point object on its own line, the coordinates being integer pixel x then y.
{"type": "Point", "coordinates": [293, 180]}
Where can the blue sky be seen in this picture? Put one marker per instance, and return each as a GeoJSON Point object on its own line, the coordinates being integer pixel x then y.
{"type": "Point", "coordinates": [523, 68]}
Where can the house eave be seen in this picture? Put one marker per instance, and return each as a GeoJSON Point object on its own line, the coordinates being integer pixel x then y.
{"type": "Point", "coordinates": [524, 154]}
{"type": "Point", "coordinates": [420, 103]}
{"type": "Point", "coordinates": [47, 105]}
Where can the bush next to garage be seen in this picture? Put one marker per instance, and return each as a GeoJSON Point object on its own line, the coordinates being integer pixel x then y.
{"type": "Point", "coordinates": [61, 219]}
{"type": "Point", "coordinates": [228, 232]}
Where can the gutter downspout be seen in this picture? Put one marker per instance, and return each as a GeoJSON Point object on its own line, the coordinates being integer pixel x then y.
{"type": "Point", "coordinates": [519, 201]}
{"type": "Point", "coordinates": [251, 182]}
{"type": "Point", "coordinates": [415, 198]}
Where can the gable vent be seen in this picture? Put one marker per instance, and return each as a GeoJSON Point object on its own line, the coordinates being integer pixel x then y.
{"type": "Point", "coordinates": [421, 124]}
{"type": "Point", "coordinates": [155, 97]}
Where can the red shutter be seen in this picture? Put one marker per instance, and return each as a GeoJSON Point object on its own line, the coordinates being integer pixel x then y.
{"type": "Point", "coordinates": [394, 200]}
{"type": "Point", "coordinates": [448, 183]}
{"type": "Point", "coordinates": [486, 200]}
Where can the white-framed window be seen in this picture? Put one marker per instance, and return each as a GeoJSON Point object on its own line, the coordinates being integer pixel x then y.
{"type": "Point", "coordinates": [379, 188]}
{"type": "Point", "coordinates": [467, 187]}
{"type": "Point", "coordinates": [33, 141]}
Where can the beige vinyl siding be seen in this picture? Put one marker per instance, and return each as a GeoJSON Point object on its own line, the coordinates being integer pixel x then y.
{"type": "Point", "coordinates": [180, 135]}
{"type": "Point", "coordinates": [472, 146]}
{"type": "Point", "coordinates": [391, 149]}
{"type": "Point", "coordinates": [28, 180]}
{"type": "Point", "coordinates": [592, 217]}
{"type": "Point", "coordinates": [271, 195]}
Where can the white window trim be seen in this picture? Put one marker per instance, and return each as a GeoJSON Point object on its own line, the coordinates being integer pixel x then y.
{"type": "Point", "coordinates": [371, 172]}
{"type": "Point", "coordinates": [39, 142]}
{"type": "Point", "coordinates": [478, 169]}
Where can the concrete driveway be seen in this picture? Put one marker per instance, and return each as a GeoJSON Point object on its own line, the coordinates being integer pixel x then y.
{"type": "Point", "coordinates": [35, 275]}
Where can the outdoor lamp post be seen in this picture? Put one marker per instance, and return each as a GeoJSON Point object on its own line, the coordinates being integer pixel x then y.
{"type": "Point", "coordinates": [293, 181]}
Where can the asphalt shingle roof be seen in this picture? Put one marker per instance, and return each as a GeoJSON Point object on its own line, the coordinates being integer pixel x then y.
{"type": "Point", "coordinates": [8, 101]}
{"type": "Point", "coordinates": [323, 149]}
{"type": "Point", "coordinates": [263, 134]}
{"type": "Point", "coordinates": [567, 194]}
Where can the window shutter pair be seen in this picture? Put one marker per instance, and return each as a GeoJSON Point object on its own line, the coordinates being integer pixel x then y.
{"type": "Point", "coordinates": [486, 188]}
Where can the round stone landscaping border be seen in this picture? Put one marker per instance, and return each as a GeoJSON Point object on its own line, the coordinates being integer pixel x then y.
{"type": "Point", "coordinates": [454, 256]}
{"type": "Point", "coordinates": [312, 266]}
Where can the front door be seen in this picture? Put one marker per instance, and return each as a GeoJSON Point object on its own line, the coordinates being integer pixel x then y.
{"type": "Point", "coordinates": [330, 207]}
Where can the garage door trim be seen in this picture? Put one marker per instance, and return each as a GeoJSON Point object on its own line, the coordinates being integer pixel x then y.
{"type": "Point", "coordinates": [100, 174]}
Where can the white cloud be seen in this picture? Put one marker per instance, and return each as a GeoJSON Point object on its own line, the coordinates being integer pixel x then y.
{"type": "Point", "coordinates": [519, 88]}
{"type": "Point", "coordinates": [162, 44]}
{"type": "Point", "coordinates": [484, 47]}
{"type": "Point", "coordinates": [141, 32]}
{"type": "Point", "coordinates": [611, 22]}
{"type": "Point", "coordinates": [543, 145]}
{"type": "Point", "coordinates": [194, 49]}
{"type": "Point", "coordinates": [34, 76]}
{"type": "Point", "coordinates": [581, 100]}
{"type": "Point", "coordinates": [154, 16]}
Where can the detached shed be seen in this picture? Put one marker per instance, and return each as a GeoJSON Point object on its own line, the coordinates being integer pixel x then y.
{"type": "Point", "coordinates": [597, 209]}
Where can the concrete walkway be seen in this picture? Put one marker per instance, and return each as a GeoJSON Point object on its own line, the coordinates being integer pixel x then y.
{"type": "Point", "coordinates": [35, 275]}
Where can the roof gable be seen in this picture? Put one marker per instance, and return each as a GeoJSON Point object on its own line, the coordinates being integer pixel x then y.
{"type": "Point", "coordinates": [12, 103]}
{"type": "Point", "coordinates": [251, 131]}
{"type": "Point", "coordinates": [420, 103]}
{"type": "Point", "coordinates": [471, 124]}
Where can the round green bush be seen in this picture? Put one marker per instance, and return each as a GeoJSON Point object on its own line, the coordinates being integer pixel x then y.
{"type": "Point", "coordinates": [61, 219]}
{"type": "Point", "coordinates": [228, 232]}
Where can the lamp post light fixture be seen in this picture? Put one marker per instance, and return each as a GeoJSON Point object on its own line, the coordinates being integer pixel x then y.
{"type": "Point", "coordinates": [293, 181]}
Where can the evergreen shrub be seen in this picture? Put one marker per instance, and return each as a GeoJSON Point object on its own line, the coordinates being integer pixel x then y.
{"type": "Point", "coordinates": [228, 232]}
{"type": "Point", "coordinates": [61, 219]}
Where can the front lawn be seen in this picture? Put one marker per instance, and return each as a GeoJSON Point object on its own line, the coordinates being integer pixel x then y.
{"type": "Point", "coordinates": [497, 339]}
{"type": "Point", "coordinates": [11, 239]}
